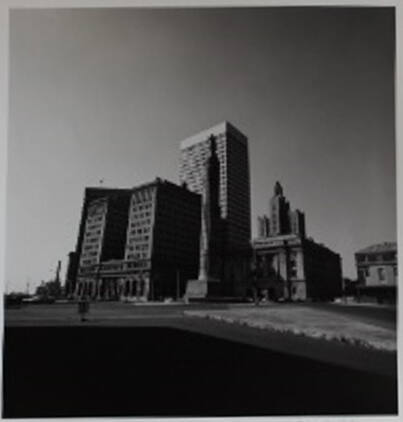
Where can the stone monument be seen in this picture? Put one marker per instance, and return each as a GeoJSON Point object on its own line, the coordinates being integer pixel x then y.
{"type": "Point", "coordinates": [210, 236]}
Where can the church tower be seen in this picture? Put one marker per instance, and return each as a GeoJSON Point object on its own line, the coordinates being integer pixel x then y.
{"type": "Point", "coordinates": [279, 211]}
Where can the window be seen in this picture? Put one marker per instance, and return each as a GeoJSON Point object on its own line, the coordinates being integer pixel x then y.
{"type": "Point", "coordinates": [366, 272]}
{"type": "Point", "coordinates": [381, 274]}
{"type": "Point", "coordinates": [293, 264]}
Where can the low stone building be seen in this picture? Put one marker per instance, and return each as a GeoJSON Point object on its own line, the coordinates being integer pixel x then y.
{"type": "Point", "coordinates": [377, 264]}
{"type": "Point", "coordinates": [296, 268]}
{"type": "Point", "coordinates": [377, 273]}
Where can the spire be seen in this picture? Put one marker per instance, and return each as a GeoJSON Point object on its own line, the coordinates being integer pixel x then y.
{"type": "Point", "coordinates": [57, 278]}
{"type": "Point", "coordinates": [278, 189]}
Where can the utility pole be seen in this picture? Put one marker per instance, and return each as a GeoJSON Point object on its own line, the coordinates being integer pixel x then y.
{"type": "Point", "coordinates": [177, 284]}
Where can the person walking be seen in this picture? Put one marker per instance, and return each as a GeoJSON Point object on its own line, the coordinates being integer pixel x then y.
{"type": "Point", "coordinates": [83, 307]}
{"type": "Point", "coordinates": [254, 286]}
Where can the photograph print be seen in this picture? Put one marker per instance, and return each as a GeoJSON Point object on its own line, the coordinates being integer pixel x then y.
{"type": "Point", "coordinates": [201, 212]}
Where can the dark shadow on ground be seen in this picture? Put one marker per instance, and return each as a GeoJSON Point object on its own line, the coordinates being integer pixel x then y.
{"type": "Point", "coordinates": [116, 371]}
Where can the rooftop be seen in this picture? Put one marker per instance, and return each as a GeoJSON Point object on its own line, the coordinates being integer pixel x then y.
{"type": "Point", "coordinates": [380, 247]}
{"type": "Point", "coordinates": [214, 130]}
{"type": "Point", "coordinates": [118, 191]}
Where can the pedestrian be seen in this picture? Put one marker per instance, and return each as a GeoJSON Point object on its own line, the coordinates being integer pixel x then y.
{"type": "Point", "coordinates": [255, 291]}
{"type": "Point", "coordinates": [83, 307]}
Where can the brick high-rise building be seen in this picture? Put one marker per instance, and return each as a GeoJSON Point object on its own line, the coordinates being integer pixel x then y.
{"type": "Point", "coordinates": [234, 194]}
{"type": "Point", "coordinates": [150, 249]}
{"type": "Point", "coordinates": [90, 194]}
{"type": "Point", "coordinates": [105, 230]}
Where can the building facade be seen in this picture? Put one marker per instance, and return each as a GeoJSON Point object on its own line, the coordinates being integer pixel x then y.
{"type": "Point", "coordinates": [377, 265]}
{"type": "Point", "coordinates": [231, 148]}
{"type": "Point", "coordinates": [90, 194]}
{"type": "Point", "coordinates": [289, 266]}
{"type": "Point", "coordinates": [105, 230]}
{"type": "Point", "coordinates": [153, 249]}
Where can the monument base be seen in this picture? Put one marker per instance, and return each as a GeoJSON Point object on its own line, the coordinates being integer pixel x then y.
{"type": "Point", "coordinates": [200, 289]}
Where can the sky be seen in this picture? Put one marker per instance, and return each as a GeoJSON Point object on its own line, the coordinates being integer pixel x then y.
{"type": "Point", "coordinates": [110, 93]}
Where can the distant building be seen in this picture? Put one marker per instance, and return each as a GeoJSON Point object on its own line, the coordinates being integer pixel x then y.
{"type": "Point", "coordinates": [152, 249]}
{"type": "Point", "coordinates": [377, 265]}
{"type": "Point", "coordinates": [51, 289]}
{"type": "Point", "coordinates": [231, 148]}
{"type": "Point", "coordinates": [287, 265]}
{"type": "Point", "coordinates": [282, 219]}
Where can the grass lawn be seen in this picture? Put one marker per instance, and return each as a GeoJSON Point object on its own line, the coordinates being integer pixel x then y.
{"type": "Point", "coordinates": [308, 321]}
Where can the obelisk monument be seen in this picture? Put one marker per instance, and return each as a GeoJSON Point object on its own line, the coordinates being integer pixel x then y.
{"type": "Point", "coordinates": [210, 236]}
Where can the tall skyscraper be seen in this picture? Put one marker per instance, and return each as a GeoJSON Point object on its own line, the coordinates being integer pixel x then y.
{"type": "Point", "coordinates": [234, 192]}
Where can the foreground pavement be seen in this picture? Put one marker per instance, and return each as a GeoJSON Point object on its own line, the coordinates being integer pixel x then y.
{"type": "Point", "coordinates": [110, 370]}
{"type": "Point", "coordinates": [158, 360]}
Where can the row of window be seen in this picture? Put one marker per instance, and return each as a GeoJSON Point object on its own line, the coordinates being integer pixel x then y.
{"type": "Point", "coordinates": [142, 196]}
{"type": "Point", "coordinates": [140, 223]}
{"type": "Point", "coordinates": [88, 262]}
{"type": "Point", "coordinates": [138, 214]}
{"type": "Point", "coordinates": [138, 247]}
{"type": "Point", "coordinates": [90, 253]}
{"type": "Point", "coordinates": [137, 255]}
{"type": "Point", "coordinates": [391, 256]}
{"type": "Point", "coordinates": [90, 246]}
{"type": "Point", "coordinates": [95, 218]}
{"type": "Point", "coordinates": [380, 273]}
{"type": "Point", "coordinates": [140, 207]}
{"type": "Point", "coordinates": [91, 239]}
{"type": "Point", "coordinates": [139, 238]}
{"type": "Point", "coordinates": [92, 232]}
{"type": "Point", "coordinates": [141, 230]}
